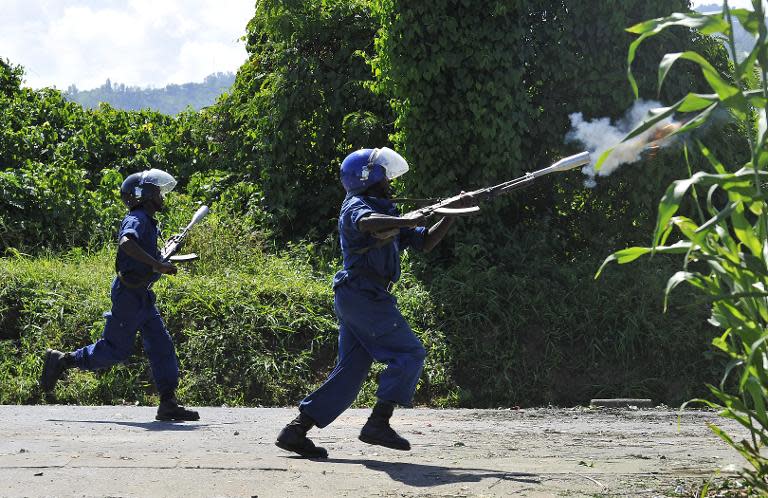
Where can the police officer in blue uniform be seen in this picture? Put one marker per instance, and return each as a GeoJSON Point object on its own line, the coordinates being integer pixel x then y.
{"type": "Point", "coordinates": [371, 328]}
{"type": "Point", "coordinates": [137, 265]}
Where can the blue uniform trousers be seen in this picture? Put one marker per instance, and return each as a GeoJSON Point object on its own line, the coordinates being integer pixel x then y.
{"type": "Point", "coordinates": [370, 328]}
{"type": "Point", "coordinates": [133, 310]}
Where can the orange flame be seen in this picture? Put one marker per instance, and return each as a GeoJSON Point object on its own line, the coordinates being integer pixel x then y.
{"type": "Point", "coordinates": [658, 138]}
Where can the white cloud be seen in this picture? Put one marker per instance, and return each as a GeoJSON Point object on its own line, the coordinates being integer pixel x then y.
{"type": "Point", "coordinates": [197, 57]}
{"type": "Point", "coordinates": [135, 42]}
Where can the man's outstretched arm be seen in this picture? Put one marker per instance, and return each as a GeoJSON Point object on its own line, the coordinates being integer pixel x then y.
{"type": "Point", "coordinates": [436, 233]}
{"type": "Point", "coordinates": [376, 223]}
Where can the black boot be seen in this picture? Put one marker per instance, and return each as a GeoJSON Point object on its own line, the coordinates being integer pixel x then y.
{"type": "Point", "coordinates": [54, 365]}
{"type": "Point", "coordinates": [377, 430]}
{"type": "Point", "coordinates": [294, 438]}
{"type": "Point", "coordinates": [170, 409]}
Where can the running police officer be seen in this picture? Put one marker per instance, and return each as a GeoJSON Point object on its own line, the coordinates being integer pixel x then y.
{"type": "Point", "coordinates": [133, 302]}
{"type": "Point", "coordinates": [371, 328]}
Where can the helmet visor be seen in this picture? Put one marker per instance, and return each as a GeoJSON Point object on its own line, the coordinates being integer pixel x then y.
{"type": "Point", "coordinates": [393, 163]}
{"type": "Point", "coordinates": [162, 180]}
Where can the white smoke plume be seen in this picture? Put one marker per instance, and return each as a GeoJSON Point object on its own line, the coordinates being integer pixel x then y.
{"type": "Point", "coordinates": [600, 135]}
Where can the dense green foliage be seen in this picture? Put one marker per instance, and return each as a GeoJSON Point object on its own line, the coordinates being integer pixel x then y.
{"type": "Point", "coordinates": [250, 327]}
{"type": "Point", "coordinates": [61, 165]}
{"type": "Point", "coordinates": [300, 103]}
{"type": "Point", "coordinates": [485, 97]}
{"type": "Point", "coordinates": [171, 99]}
{"type": "Point", "coordinates": [473, 93]}
{"type": "Point", "coordinates": [457, 72]}
{"type": "Point", "coordinates": [725, 243]}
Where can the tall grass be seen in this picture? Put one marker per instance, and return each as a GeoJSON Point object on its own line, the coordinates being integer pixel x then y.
{"type": "Point", "coordinates": [526, 325]}
{"type": "Point", "coordinates": [520, 323]}
{"type": "Point", "coordinates": [251, 327]}
{"type": "Point", "coordinates": [508, 325]}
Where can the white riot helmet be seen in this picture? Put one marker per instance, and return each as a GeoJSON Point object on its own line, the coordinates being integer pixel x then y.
{"type": "Point", "coordinates": [146, 185]}
{"type": "Point", "coordinates": [366, 167]}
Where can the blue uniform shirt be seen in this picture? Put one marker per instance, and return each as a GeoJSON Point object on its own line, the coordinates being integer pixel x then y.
{"type": "Point", "coordinates": [384, 260]}
{"type": "Point", "coordinates": [144, 230]}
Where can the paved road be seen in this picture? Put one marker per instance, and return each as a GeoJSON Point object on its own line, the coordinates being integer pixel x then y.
{"type": "Point", "coordinates": [121, 451]}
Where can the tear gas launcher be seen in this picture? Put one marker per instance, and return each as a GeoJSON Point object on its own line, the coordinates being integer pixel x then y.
{"type": "Point", "coordinates": [133, 280]}
{"type": "Point", "coordinates": [442, 206]}
{"type": "Point", "coordinates": [174, 243]}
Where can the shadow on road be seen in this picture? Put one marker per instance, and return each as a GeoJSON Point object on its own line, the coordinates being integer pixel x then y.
{"type": "Point", "coordinates": [415, 474]}
{"type": "Point", "coordinates": [155, 425]}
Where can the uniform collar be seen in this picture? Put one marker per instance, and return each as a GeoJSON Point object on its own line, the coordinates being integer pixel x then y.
{"type": "Point", "coordinates": [379, 202]}
{"type": "Point", "coordinates": [143, 212]}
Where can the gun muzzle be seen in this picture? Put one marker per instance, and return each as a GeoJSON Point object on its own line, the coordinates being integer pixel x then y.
{"type": "Point", "coordinates": [564, 164]}
{"type": "Point", "coordinates": [201, 212]}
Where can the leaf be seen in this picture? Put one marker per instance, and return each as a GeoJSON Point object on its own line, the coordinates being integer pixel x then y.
{"type": "Point", "coordinates": [756, 98]}
{"type": "Point", "coordinates": [716, 164]}
{"type": "Point", "coordinates": [722, 435]}
{"type": "Point", "coordinates": [710, 203]}
{"type": "Point", "coordinates": [686, 226]}
{"type": "Point", "coordinates": [653, 117]}
{"type": "Point", "coordinates": [745, 232]}
{"type": "Point", "coordinates": [758, 399]}
{"type": "Point", "coordinates": [692, 278]}
{"type": "Point", "coordinates": [696, 121]}
{"type": "Point", "coordinates": [602, 158]}
{"type": "Point", "coordinates": [748, 19]}
{"type": "Point", "coordinates": [666, 234]}
{"type": "Point", "coordinates": [706, 24]}
{"type": "Point", "coordinates": [669, 204]}
{"type": "Point", "coordinates": [722, 344]}
{"type": "Point", "coordinates": [721, 215]}
{"type": "Point", "coordinates": [630, 254]}
{"type": "Point", "coordinates": [745, 70]}
{"type": "Point", "coordinates": [723, 89]}
{"type": "Point", "coordinates": [697, 101]}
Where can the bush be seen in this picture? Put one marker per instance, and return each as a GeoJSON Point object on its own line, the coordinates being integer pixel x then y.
{"type": "Point", "coordinates": [250, 328]}
{"type": "Point", "coordinates": [56, 207]}
{"type": "Point", "coordinates": [255, 328]}
{"type": "Point", "coordinates": [299, 105]}
{"type": "Point", "coordinates": [525, 326]}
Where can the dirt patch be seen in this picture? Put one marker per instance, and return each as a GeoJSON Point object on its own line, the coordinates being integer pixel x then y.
{"type": "Point", "coordinates": [122, 451]}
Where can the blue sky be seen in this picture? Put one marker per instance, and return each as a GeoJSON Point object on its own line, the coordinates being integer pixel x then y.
{"type": "Point", "coordinates": [135, 42]}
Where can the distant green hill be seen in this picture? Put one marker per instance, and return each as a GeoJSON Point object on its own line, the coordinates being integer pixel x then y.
{"type": "Point", "coordinates": [744, 41]}
{"type": "Point", "coordinates": [171, 99]}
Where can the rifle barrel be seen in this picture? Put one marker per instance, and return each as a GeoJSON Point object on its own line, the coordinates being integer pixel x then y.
{"type": "Point", "coordinates": [564, 164]}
